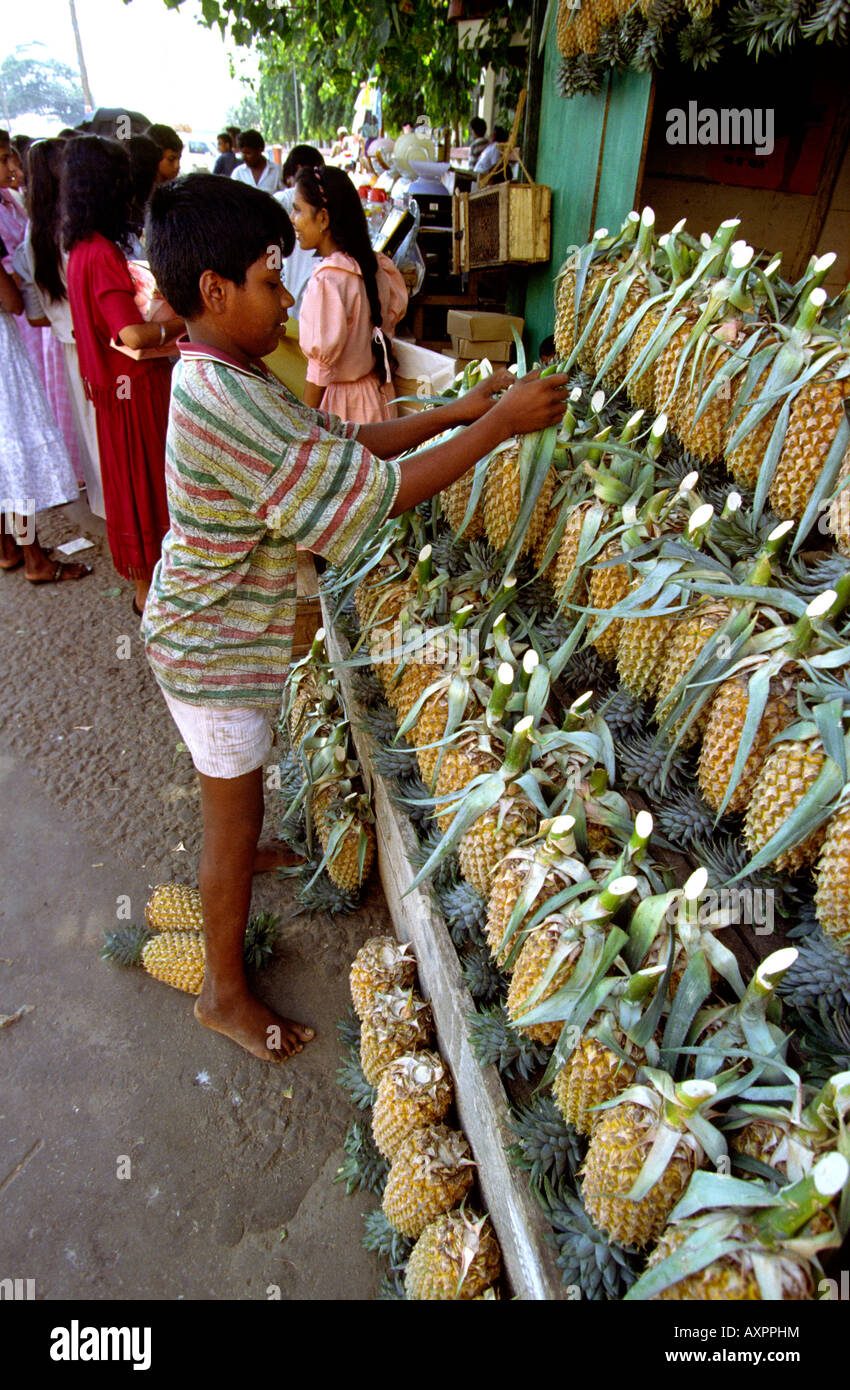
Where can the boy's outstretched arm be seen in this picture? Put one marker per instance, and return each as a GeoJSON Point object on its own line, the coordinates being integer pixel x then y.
{"type": "Point", "coordinates": [389, 438]}
{"type": "Point", "coordinates": [530, 404]}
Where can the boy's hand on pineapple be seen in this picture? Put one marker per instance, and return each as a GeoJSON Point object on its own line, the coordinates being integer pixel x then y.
{"type": "Point", "coordinates": [478, 399]}
{"type": "Point", "coordinates": [533, 403]}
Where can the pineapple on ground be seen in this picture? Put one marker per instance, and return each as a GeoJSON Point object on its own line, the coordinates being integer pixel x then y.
{"type": "Point", "coordinates": [178, 958]}
{"type": "Point", "coordinates": [398, 1022]}
{"type": "Point", "coordinates": [413, 1091]}
{"type": "Point", "coordinates": [431, 1172]}
{"type": "Point", "coordinates": [621, 1141]}
{"type": "Point", "coordinates": [724, 727]}
{"type": "Point", "coordinates": [456, 1257]}
{"type": "Point", "coordinates": [174, 907]}
{"type": "Point", "coordinates": [786, 775]}
{"type": "Point", "coordinates": [380, 964]}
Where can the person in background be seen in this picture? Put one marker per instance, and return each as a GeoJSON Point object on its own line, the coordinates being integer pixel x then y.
{"type": "Point", "coordinates": [40, 267]}
{"type": "Point", "coordinates": [491, 154]}
{"type": "Point", "coordinates": [352, 302]}
{"type": "Point", "coordinates": [255, 168]}
{"type": "Point", "coordinates": [299, 266]}
{"type": "Point", "coordinates": [35, 471]}
{"type": "Point", "coordinates": [227, 160]}
{"type": "Point", "coordinates": [20, 145]}
{"type": "Point", "coordinates": [477, 141]}
{"type": "Point", "coordinates": [170, 149]}
{"type": "Point", "coordinates": [234, 133]}
{"type": "Point", "coordinates": [130, 396]}
{"type": "Point", "coordinates": [547, 351]}
{"type": "Point", "coordinates": [144, 168]}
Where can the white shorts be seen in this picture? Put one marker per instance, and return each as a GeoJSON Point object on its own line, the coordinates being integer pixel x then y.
{"type": "Point", "coordinates": [223, 742]}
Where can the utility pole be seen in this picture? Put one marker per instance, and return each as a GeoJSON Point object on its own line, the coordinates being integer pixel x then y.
{"type": "Point", "coordinates": [81, 62]}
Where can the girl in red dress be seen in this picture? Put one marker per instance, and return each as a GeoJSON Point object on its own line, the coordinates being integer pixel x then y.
{"type": "Point", "coordinates": [130, 397]}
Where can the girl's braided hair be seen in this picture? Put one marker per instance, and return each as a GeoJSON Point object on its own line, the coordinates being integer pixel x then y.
{"type": "Point", "coordinates": [332, 189]}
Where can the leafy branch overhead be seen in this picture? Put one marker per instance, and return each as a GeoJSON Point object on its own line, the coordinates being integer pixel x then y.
{"type": "Point", "coordinates": [410, 46]}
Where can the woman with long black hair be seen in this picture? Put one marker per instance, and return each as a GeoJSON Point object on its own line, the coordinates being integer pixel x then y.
{"type": "Point", "coordinates": [352, 302]}
{"type": "Point", "coordinates": [40, 265]}
{"type": "Point", "coordinates": [130, 396]}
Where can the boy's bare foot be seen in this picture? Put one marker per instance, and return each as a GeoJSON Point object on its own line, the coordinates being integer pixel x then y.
{"type": "Point", "coordinates": [274, 854]}
{"type": "Point", "coordinates": [250, 1023]}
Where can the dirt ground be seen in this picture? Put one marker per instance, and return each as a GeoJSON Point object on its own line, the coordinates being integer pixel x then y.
{"type": "Point", "coordinates": [142, 1156]}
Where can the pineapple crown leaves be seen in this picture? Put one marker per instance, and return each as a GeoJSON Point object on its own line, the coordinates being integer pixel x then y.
{"type": "Point", "coordinates": [821, 971]}
{"type": "Point", "coordinates": [125, 945]}
{"type": "Point", "coordinates": [350, 1077]}
{"type": "Point", "coordinates": [318, 893]}
{"type": "Point", "coordinates": [586, 1257]}
{"type": "Point", "coordinates": [481, 976]}
{"type": "Point", "coordinates": [495, 1042]}
{"type": "Point", "coordinates": [675, 1116]}
{"type": "Point", "coordinates": [546, 1146]}
{"type": "Point", "coordinates": [435, 1150]}
{"type": "Point", "coordinates": [348, 1028]}
{"type": "Point", "coordinates": [364, 1167]}
{"type": "Point", "coordinates": [261, 938]}
{"type": "Point", "coordinates": [828, 22]}
{"type": "Point", "coordinates": [382, 1238]}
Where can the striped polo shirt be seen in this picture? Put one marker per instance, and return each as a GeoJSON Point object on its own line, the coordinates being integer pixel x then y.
{"type": "Point", "coordinates": [250, 472]}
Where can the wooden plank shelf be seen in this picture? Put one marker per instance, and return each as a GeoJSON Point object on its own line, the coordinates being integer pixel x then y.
{"type": "Point", "coordinates": [482, 1105]}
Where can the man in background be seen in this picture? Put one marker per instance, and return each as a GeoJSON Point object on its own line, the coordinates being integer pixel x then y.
{"type": "Point", "coordinates": [227, 160]}
{"type": "Point", "coordinates": [255, 169]}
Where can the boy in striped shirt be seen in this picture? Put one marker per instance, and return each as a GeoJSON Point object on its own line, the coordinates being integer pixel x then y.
{"type": "Point", "coordinates": [250, 474]}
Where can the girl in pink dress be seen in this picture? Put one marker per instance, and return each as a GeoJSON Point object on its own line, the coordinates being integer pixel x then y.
{"type": "Point", "coordinates": [352, 302]}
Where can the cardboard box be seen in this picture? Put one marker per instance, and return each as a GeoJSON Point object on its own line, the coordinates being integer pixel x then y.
{"type": "Point", "coordinates": [497, 350]}
{"type": "Point", "coordinates": [472, 325]}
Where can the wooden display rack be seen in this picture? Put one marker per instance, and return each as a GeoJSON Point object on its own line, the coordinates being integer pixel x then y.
{"type": "Point", "coordinates": [482, 1106]}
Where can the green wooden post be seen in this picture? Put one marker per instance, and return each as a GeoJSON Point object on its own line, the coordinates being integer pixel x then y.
{"type": "Point", "coordinates": [572, 134]}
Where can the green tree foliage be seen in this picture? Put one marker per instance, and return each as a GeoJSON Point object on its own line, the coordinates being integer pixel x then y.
{"type": "Point", "coordinates": [409, 46]}
{"type": "Point", "coordinates": [32, 84]}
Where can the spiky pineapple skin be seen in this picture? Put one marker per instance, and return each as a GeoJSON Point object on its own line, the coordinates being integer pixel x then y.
{"type": "Point", "coordinates": [703, 437]}
{"type": "Point", "coordinates": [537, 951]}
{"type": "Point", "coordinates": [729, 1279]}
{"type": "Point", "coordinates": [420, 1188]}
{"type": "Point", "coordinates": [640, 389]}
{"type": "Point", "coordinates": [619, 1144]}
{"type": "Point", "coordinates": [491, 837]}
{"type": "Point", "coordinates": [344, 865]}
{"type": "Point", "coordinates": [378, 965]}
{"type": "Point", "coordinates": [458, 766]}
{"type": "Point", "coordinates": [687, 639]}
{"type": "Point", "coordinates": [592, 1075]}
{"type": "Point", "coordinates": [839, 510]}
{"type": "Point", "coordinates": [745, 460]}
{"type": "Point", "coordinates": [175, 907]}
{"type": "Point", "coordinates": [564, 582]}
{"type": "Point", "coordinates": [641, 653]}
{"type": "Point", "coordinates": [507, 883]}
{"type": "Point", "coordinates": [435, 1267]}
{"type": "Point", "coordinates": [177, 958]}
{"type": "Point", "coordinates": [815, 417]}
{"type": "Point", "coordinates": [722, 737]}
{"type": "Point", "coordinates": [454, 501]}
{"type": "Point", "coordinates": [832, 895]}
{"type": "Point", "coordinates": [786, 775]}
{"type": "Point", "coordinates": [503, 500]}
{"type": "Point", "coordinates": [384, 1037]}
{"type": "Point", "coordinates": [413, 1091]}
{"type": "Point", "coordinates": [608, 587]}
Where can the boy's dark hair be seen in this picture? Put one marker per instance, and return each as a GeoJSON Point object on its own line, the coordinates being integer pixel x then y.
{"type": "Point", "coordinates": [204, 222]}
{"type": "Point", "coordinates": [478, 127]}
{"type": "Point", "coordinates": [252, 140]}
{"type": "Point", "coordinates": [500, 134]}
{"type": "Point", "coordinates": [547, 347]}
{"type": "Point", "coordinates": [164, 137]}
{"type": "Point", "coordinates": [5, 141]}
{"type": "Point", "coordinates": [225, 135]}
{"type": "Point", "coordinates": [301, 157]}
{"type": "Point", "coordinates": [95, 190]}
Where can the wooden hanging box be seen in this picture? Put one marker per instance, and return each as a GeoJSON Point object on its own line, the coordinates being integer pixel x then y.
{"type": "Point", "coordinates": [505, 224]}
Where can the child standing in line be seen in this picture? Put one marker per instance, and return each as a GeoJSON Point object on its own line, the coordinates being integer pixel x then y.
{"type": "Point", "coordinates": [352, 302]}
{"type": "Point", "coordinates": [251, 473]}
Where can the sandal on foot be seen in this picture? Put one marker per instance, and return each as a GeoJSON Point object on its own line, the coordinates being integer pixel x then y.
{"type": "Point", "coordinates": [63, 572]}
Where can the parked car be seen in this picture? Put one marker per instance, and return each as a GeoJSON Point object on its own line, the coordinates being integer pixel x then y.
{"type": "Point", "coordinates": [198, 154]}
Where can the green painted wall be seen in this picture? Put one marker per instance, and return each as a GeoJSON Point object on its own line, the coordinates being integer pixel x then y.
{"type": "Point", "coordinates": [571, 133]}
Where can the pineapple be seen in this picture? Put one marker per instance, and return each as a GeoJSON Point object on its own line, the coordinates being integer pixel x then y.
{"type": "Point", "coordinates": [454, 501]}
{"type": "Point", "coordinates": [565, 35]}
{"type": "Point", "coordinates": [414, 680]}
{"type": "Point", "coordinates": [339, 812]}
{"type": "Point", "coordinates": [496, 832]}
{"type": "Point", "coordinates": [703, 437]}
{"type": "Point", "coordinates": [431, 725]}
{"type": "Point", "coordinates": [587, 27]}
{"type": "Point", "coordinates": [832, 896]}
{"type": "Point", "coordinates": [839, 511]}
{"type": "Point", "coordinates": [687, 639]}
{"type": "Point", "coordinates": [816, 414]}
{"type": "Point", "coordinates": [592, 1075]}
{"type": "Point", "coordinates": [456, 1257]}
{"type": "Point", "coordinates": [786, 775]}
{"type": "Point", "coordinates": [637, 294]}
{"type": "Point", "coordinates": [503, 499]}
{"type": "Point", "coordinates": [554, 855]}
{"type": "Point", "coordinates": [640, 389]}
{"type": "Point", "coordinates": [732, 1277]}
{"type": "Point", "coordinates": [178, 958]}
{"type": "Point", "coordinates": [555, 933]}
{"type": "Point", "coordinates": [305, 699]}
{"type": "Point", "coordinates": [745, 460]}
{"type": "Point", "coordinates": [565, 583]}
{"type": "Point", "coordinates": [430, 1174]}
{"type": "Point", "coordinates": [608, 586]}
{"type": "Point", "coordinates": [565, 328]}
{"type": "Point", "coordinates": [174, 907]}
{"type": "Point", "coordinates": [722, 736]}
{"type": "Point", "coordinates": [379, 965]}
{"type": "Point", "coordinates": [398, 1022]}
{"type": "Point", "coordinates": [458, 765]}
{"type": "Point", "coordinates": [666, 367]}
{"type": "Point", "coordinates": [642, 651]}
{"type": "Point", "coordinates": [413, 1091]}
{"type": "Point", "coordinates": [622, 1139]}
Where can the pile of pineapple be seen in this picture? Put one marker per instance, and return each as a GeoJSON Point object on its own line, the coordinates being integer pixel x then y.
{"type": "Point", "coordinates": [339, 814]}
{"type": "Point", "coordinates": [600, 663]}
{"type": "Point", "coordinates": [423, 1168]}
{"type": "Point", "coordinates": [596, 35]}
